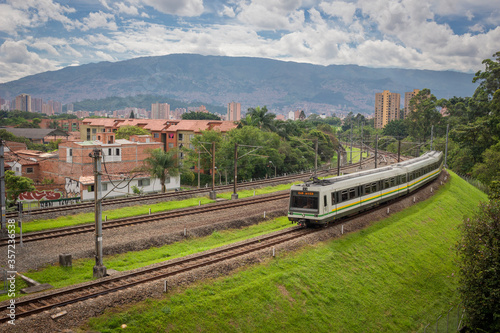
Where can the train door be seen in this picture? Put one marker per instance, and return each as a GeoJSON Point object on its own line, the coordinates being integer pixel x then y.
{"type": "Point", "coordinates": [325, 204]}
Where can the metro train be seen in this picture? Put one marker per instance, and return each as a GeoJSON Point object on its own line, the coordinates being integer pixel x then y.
{"type": "Point", "coordinates": [318, 202]}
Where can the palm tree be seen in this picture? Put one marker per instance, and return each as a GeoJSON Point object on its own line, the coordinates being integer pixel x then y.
{"type": "Point", "coordinates": [261, 119]}
{"type": "Point", "coordinates": [161, 165]}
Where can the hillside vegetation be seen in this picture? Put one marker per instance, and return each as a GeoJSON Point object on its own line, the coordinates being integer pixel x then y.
{"type": "Point", "coordinates": [394, 276]}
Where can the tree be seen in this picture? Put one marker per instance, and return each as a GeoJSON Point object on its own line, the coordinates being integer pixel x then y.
{"type": "Point", "coordinates": [199, 116]}
{"type": "Point", "coordinates": [132, 115]}
{"type": "Point", "coordinates": [124, 132]}
{"type": "Point", "coordinates": [15, 185]}
{"type": "Point", "coordinates": [479, 254]}
{"type": "Point", "coordinates": [423, 115]}
{"type": "Point", "coordinates": [397, 128]}
{"type": "Point", "coordinates": [489, 169]}
{"type": "Point", "coordinates": [161, 164]}
{"type": "Point", "coordinates": [261, 118]}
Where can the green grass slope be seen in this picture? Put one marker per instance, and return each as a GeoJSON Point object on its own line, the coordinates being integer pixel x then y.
{"type": "Point", "coordinates": [394, 276]}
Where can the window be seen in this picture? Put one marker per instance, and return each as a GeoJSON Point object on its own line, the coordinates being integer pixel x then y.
{"type": "Point", "coordinates": [170, 145]}
{"type": "Point", "coordinates": [367, 189]}
{"type": "Point", "coordinates": [344, 195]}
{"type": "Point", "coordinates": [374, 187]}
{"type": "Point", "coordinates": [144, 182]}
{"type": "Point", "coordinates": [90, 188]}
{"type": "Point", "coordinates": [191, 136]}
{"type": "Point", "coordinates": [110, 151]}
{"type": "Point", "coordinates": [104, 187]}
{"type": "Point", "coordinates": [29, 170]}
{"type": "Point", "coordinates": [403, 179]}
{"type": "Point", "coordinates": [94, 130]}
{"type": "Point", "coordinates": [170, 135]}
{"type": "Point", "coordinates": [156, 135]}
{"type": "Point", "coordinates": [392, 182]}
{"type": "Point", "coordinates": [325, 203]}
{"type": "Point", "coordinates": [117, 151]}
{"type": "Point", "coordinates": [70, 152]}
{"type": "Point", "coordinates": [181, 137]}
{"type": "Point", "coordinates": [167, 180]}
{"type": "Point", "coordinates": [386, 184]}
{"type": "Point", "coordinates": [334, 194]}
{"type": "Point", "coordinates": [352, 193]}
{"type": "Point", "coordinates": [88, 134]}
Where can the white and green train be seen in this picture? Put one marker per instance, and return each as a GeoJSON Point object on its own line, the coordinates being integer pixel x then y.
{"type": "Point", "coordinates": [322, 201]}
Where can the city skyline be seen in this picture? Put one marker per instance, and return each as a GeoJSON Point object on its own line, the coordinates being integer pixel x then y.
{"type": "Point", "coordinates": [42, 35]}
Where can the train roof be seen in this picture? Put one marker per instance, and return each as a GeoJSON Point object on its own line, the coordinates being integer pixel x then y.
{"type": "Point", "coordinates": [401, 167]}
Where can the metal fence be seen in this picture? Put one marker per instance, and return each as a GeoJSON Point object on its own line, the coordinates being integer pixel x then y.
{"type": "Point", "coordinates": [448, 322]}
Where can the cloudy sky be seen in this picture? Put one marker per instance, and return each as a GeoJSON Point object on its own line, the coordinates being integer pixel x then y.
{"type": "Point", "coordinates": [41, 35]}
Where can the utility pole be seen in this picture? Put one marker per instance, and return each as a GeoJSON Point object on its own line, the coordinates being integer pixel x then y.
{"type": "Point", "coordinates": [399, 150]}
{"type": "Point", "coordinates": [235, 194]}
{"type": "Point", "coordinates": [376, 149]}
{"type": "Point", "coordinates": [338, 161]}
{"type": "Point", "coordinates": [99, 268]}
{"type": "Point", "coordinates": [2, 190]}
{"type": "Point", "coordinates": [432, 132]}
{"type": "Point", "coordinates": [199, 157]}
{"type": "Point", "coordinates": [213, 195]}
{"type": "Point", "coordinates": [446, 149]}
{"type": "Point", "coordinates": [361, 149]}
{"type": "Point", "coordinates": [316, 158]}
{"type": "Point", "coordinates": [350, 160]}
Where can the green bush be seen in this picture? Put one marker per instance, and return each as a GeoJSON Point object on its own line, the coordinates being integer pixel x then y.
{"type": "Point", "coordinates": [479, 253]}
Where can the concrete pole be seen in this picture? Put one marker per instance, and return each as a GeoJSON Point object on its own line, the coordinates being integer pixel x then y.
{"type": "Point", "coordinates": [376, 150]}
{"type": "Point", "coordinates": [446, 149]}
{"type": "Point", "coordinates": [361, 149]}
{"type": "Point", "coordinates": [316, 158]}
{"type": "Point", "coordinates": [432, 135]}
{"type": "Point", "coordinates": [338, 161]}
{"type": "Point", "coordinates": [99, 269]}
{"type": "Point", "coordinates": [199, 157]}
{"type": "Point", "coordinates": [399, 150]}
{"type": "Point", "coordinates": [350, 160]}
{"type": "Point", "coordinates": [213, 195]}
{"type": "Point", "coordinates": [2, 190]}
{"type": "Point", "coordinates": [235, 193]}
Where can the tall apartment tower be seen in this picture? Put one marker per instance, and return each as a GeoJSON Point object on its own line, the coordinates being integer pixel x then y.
{"type": "Point", "coordinates": [160, 111]}
{"type": "Point", "coordinates": [23, 102]}
{"type": "Point", "coordinates": [233, 111]}
{"type": "Point", "coordinates": [408, 97]}
{"type": "Point", "coordinates": [387, 108]}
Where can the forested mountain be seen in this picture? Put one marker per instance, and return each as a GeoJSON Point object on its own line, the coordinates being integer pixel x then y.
{"type": "Point", "coordinates": [219, 80]}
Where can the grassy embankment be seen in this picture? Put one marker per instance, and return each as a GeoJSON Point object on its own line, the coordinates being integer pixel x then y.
{"type": "Point", "coordinates": [393, 276]}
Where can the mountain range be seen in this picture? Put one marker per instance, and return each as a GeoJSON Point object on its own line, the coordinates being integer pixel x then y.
{"type": "Point", "coordinates": [218, 80]}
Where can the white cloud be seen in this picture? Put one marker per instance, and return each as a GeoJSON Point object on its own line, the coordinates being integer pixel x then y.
{"type": "Point", "coordinates": [17, 61]}
{"type": "Point", "coordinates": [99, 20]}
{"type": "Point", "coordinates": [44, 46]}
{"type": "Point", "coordinates": [129, 10]}
{"type": "Point", "coordinates": [12, 18]}
{"type": "Point", "coordinates": [227, 11]}
{"type": "Point", "coordinates": [104, 56]}
{"type": "Point", "coordinates": [188, 8]}
{"type": "Point", "coordinates": [272, 14]}
{"type": "Point", "coordinates": [341, 9]}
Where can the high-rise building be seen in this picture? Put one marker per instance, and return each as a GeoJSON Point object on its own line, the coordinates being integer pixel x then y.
{"type": "Point", "coordinates": [387, 106]}
{"type": "Point", "coordinates": [23, 102]}
{"type": "Point", "coordinates": [70, 107]}
{"type": "Point", "coordinates": [408, 97]}
{"type": "Point", "coordinates": [234, 111]}
{"type": "Point", "coordinates": [36, 104]}
{"type": "Point", "coordinates": [160, 111]}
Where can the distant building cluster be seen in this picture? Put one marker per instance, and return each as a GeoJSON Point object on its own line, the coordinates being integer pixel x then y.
{"type": "Point", "coordinates": [388, 107]}
{"type": "Point", "coordinates": [24, 102]}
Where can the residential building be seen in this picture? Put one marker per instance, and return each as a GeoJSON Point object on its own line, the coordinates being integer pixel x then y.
{"type": "Point", "coordinates": [23, 102]}
{"type": "Point", "coordinates": [408, 97]}
{"type": "Point", "coordinates": [160, 111]}
{"type": "Point", "coordinates": [36, 104]}
{"type": "Point", "coordinates": [387, 108]}
{"type": "Point", "coordinates": [233, 111]}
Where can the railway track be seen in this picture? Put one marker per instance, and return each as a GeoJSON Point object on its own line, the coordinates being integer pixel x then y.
{"type": "Point", "coordinates": [128, 221]}
{"type": "Point", "coordinates": [159, 196]}
{"type": "Point", "coordinates": [110, 284]}
{"type": "Point", "coordinates": [107, 285]}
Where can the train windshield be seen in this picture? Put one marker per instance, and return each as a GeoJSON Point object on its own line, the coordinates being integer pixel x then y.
{"type": "Point", "coordinates": [305, 200]}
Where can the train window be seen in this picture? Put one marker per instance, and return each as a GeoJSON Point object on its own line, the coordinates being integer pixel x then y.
{"type": "Point", "coordinates": [367, 189]}
{"type": "Point", "coordinates": [386, 184]}
{"type": "Point", "coordinates": [352, 193]}
{"type": "Point", "coordinates": [345, 196]}
{"type": "Point", "coordinates": [325, 203]}
{"type": "Point", "coordinates": [403, 179]}
{"type": "Point", "coordinates": [393, 182]}
{"type": "Point", "coordinates": [304, 202]}
{"type": "Point", "coordinates": [374, 187]}
{"type": "Point", "coordinates": [333, 198]}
